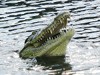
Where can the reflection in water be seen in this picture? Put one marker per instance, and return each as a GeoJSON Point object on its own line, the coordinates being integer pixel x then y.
{"type": "Point", "coordinates": [53, 62]}
{"type": "Point", "coordinates": [56, 64]}
{"type": "Point", "coordinates": [18, 18]}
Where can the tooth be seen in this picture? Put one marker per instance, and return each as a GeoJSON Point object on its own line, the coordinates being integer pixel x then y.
{"type": "Point", "coordinates": [51, 31]}
{"type": "Point", "coordinates": [60, 21]}
{"type": "Point", "coordinates": [47, 31]}
{"type": "Point", "coordinates": [55, 26]}
{"type": "Point", "coordinates": [49, 38]}
{"type": "Point", "coordinates": [41, 38]}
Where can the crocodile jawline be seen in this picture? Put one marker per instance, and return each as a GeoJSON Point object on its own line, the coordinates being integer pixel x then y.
{"type": "Point", "coordinates": [48, 41]}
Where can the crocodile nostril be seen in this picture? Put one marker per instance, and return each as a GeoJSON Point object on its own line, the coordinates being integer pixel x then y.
{"type": "Point", "coordinates": [64, 30]}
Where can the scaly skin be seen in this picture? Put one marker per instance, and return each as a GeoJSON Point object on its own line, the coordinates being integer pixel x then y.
{"type": "Point", "coordinates": [51, 41]}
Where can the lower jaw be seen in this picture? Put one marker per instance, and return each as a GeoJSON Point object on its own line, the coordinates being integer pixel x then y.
{"type": "Point", "coordinates": [59, 50]}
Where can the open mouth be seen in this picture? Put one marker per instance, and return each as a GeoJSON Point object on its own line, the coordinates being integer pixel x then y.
{"type": "Point", "coordinates": [51, 41]}
{"type": "Point", "coordinates": [54, 29]}
{"type": "Point", "coordinates": [57, 34]}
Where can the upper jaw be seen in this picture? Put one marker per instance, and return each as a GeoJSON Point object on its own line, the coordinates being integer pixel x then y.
{"type": "Point", "coordinates": [54, 28]}
{"type": "Point", "coordinates": [59, 22]}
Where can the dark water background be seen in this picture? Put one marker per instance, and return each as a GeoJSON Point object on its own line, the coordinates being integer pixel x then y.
{"type": "Point", "coordinates": [17, 20]}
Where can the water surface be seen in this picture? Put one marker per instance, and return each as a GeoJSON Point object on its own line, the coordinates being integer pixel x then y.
{"type": "Point", "coordinates": [17, 20]}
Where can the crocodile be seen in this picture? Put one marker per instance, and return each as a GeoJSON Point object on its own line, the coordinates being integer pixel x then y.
{"type": "Point", "coordinates": [50, 41]}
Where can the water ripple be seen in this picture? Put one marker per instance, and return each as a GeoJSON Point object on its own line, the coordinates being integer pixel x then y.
{"type": "Point", "coordinates": [19, 18]}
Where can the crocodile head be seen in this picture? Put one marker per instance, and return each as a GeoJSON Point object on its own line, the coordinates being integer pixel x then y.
{"type": "Point", "coordinates": [51, 41]}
